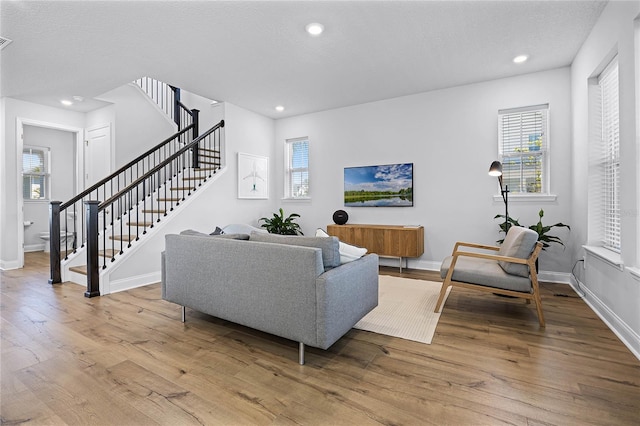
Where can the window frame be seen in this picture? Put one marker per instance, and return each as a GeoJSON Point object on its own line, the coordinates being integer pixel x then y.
{"type": "Point", "coordinates": [46, 174]}
{"type": "Point", "coordinates": [289, 170]}
{"type": "Point", "coordinates": [542, 150]}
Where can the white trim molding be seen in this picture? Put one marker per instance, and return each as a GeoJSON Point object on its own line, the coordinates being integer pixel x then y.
{"type": "Point", "coordinates": [611, 257]}
{"type": "Point", "coordinates": [635, 273]}
{"type": "Point", "coordinates": [626, 334]}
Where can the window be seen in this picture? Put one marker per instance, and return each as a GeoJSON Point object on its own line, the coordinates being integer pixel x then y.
{"type": "Point", "coordinates": [297, 168]}
{"type": "Point", "coordinates": [610, 154]}
{"type": "Point", "coordinates": [35, 173]}
{"type": "Point", "coordinates": [523, 144]}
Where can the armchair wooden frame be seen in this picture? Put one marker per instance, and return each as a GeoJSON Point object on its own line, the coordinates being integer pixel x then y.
{"type": "Point", "coordinates": [530, 262]}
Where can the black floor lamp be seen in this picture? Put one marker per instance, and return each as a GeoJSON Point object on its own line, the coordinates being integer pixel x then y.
{"type": "Point", "coordinates": [496, 170]}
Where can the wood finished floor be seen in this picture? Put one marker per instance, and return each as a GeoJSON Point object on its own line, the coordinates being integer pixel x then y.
{"type": "Point", "coordinates": [126, 359]}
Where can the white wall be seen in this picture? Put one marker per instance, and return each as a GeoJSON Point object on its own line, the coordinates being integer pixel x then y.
{"type": "Point", "coordinates": [451, 137]}
{"type": "Point", "coordinates": [13, 110]}
{"type": "Point", "coordinates": [138, 124]}
{"type": "Point", "coordinates": [613, 293]}
{"type": "Point", "coordinates": [62, 147]}
{"type": "Point", "coordinates": [209, 115]}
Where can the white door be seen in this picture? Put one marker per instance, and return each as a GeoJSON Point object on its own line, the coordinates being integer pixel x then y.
{"type": "Point", "coordinates": [97, 159]}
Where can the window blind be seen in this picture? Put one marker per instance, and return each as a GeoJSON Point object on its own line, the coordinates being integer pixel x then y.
{"type": "Point", "coordinates": [298, 168]}
{"type": "Point", "coordinates": [523, 147]}
{"type": "Point", "coordinates": [610, 140]}
{"type": "Point", "coordinates": [34, 173]}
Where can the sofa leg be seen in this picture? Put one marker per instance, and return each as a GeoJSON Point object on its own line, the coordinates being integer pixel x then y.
{"type": "Point", "coordinates": [184, 314]}
{"type": "Point", "coordinates": [301, 354]}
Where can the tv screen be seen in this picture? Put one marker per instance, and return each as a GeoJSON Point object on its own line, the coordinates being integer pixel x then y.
{"type": "Point", "coordinates": [389, 185]}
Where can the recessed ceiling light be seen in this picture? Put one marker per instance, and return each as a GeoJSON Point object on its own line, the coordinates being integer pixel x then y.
{"type": "Point", "coordinates": [520, 59]}
{"type": "Point", "coordinates": [315, 29]}
{"type": "Point", "coordinates": [78, 98]}
{"type": "Point", "coordinates": [66, 102]}
{"type": "Point", "coordinates": [279, 108]}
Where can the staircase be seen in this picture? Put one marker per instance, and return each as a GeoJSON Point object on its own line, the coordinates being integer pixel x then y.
{"type": "Point", "coordinates": [119, 214]}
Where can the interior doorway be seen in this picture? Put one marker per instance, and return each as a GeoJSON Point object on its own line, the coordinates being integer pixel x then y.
{"type": "Point", "coordinates": [41, 127]}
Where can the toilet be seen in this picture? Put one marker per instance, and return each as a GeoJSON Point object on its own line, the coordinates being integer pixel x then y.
{"type": "Point", "coordinates": [63, 235]}
{"type": "Point", "coordinates": [63, 239]}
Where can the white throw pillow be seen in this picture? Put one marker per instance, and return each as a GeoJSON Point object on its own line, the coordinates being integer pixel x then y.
{"type": "Point", "coordinates": [348, 253]}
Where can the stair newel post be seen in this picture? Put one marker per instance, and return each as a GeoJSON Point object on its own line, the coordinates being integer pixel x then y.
{"type": "Point", "coordinates": [176, 106]}
{"type": "Point", "coordinates": [196, 123]}
{"type": "Point", "coordinates": [93, 276]}
{"type": "Point", "coordinates": [54, 242]}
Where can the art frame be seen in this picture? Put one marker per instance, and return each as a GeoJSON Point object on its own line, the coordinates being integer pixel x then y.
{"type": "Point", "coordinates": [253, 177]}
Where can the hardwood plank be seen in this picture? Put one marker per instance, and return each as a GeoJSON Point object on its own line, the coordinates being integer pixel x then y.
{"type": "Point", "coordinates": [126, 358]}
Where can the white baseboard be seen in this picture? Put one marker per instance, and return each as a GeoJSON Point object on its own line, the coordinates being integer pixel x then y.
{"type": "Point", "coordinates": [6, 265]}
{"type": "Point", "coordinates": [555, 277]}
{"type": "Point", "coordinates": [134, 282]}
{"type": "Point", "coordinates": [626, 334]}
{"type": "Point", "coordinates": [34, 247]}
{"type": "Point", "coordinates": [410, 263]}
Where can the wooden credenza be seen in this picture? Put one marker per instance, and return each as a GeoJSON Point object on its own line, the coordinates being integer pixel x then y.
{"type": "Point", "coordinates": [384, 240]}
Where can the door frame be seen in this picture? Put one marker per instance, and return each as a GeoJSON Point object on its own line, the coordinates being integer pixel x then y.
{"type": "Point", "coordinates": [85, 147]}
{"type": "Point", "coordinates": [79, 168]}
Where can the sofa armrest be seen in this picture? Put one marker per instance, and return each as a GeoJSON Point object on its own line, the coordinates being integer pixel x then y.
{"type": "Point", "coordinates": [345, 294]}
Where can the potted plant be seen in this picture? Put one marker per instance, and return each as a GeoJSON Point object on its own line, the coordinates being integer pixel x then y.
{"type": "Point", "coordinates": [278, 224]}
{"type": "Point", "coordinates": [538, 227]}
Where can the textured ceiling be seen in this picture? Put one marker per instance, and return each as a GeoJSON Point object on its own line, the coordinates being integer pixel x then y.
{"type": "Point", "coordinates": [257, 54]}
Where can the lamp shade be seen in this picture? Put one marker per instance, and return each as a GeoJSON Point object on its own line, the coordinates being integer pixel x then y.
{"type": "Point", "coordinates": [495, 169]}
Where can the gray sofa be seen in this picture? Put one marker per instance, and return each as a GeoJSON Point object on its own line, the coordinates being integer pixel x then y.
{"type": "Point", "coordinates": [271, 283]}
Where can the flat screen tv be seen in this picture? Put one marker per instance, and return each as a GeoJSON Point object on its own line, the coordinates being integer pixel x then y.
{"type": "Point", "coordinates": [389, 185]}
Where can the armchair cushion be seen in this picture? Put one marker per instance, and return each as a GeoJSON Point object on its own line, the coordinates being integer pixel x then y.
{"type": "Point", "coordinates": [519, 243]}
{"type": "Point", "coordinates": [486, 272]}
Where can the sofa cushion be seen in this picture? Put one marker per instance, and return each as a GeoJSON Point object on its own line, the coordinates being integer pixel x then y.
{"type": "Point", "coordinates": [329, 246]}
{"type": "Point", "coordinates": [519, 243]}
{"type": "Point", "coordinates": [224, 236]}
{"type": "Point", "coordinates": [348, 252]}
{"type": "Point", "coordinates": [241, 228]}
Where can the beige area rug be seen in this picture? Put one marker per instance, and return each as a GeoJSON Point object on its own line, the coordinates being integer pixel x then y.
{"type": "Point", "coordinates": [405, 309]}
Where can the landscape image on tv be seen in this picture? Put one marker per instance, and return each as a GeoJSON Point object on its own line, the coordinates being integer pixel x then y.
{"type": "Point", "coordinates": [389, 185]}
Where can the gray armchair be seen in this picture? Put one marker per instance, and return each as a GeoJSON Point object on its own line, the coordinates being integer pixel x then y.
{"type": "Point", "coordinates": [510, 271]}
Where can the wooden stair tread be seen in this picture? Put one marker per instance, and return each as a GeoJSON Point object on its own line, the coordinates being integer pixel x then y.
{"type": "Point", "coordinates": [128, 238]}
{"type": "Point", "coordinates": [194, 177]}
{"type": "Point", "coordinates": [209, 150]}
{"type": "Point", "coordinates": [106, 253]}
{"type": "Point", "coordinates": [154, 211]}
{"type": "Point", "coordinates": [143, 224]}
{"type": "Point", "coordinates": [82, 269]}
{"type": "Point", "coordinates": [208, 156]}
{"type": "Point", "coordinates": [182, 188]}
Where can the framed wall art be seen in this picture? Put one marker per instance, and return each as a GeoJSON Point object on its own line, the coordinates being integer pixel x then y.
{"type": "Point", "coordinates": [253, 176]}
